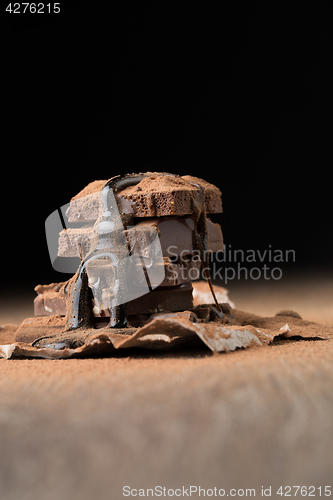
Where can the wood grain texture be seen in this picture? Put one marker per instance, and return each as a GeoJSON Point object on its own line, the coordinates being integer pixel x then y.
{"type": "Point", "coordinates": [85, 428]}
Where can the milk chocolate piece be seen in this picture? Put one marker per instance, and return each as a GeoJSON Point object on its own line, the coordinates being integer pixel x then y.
{"type": "Point", "coordinates": [72, 241]}
{"type": "Point", "coordinates": [50, 300]}
{"type": "Point", "coordinates": [156, 195]}
{"type": "Point", "coordinates": [175, 273]}
{"type": "Point", "coordinates": [175, 234]}
{"type": "Point", "coordinates": [175, 298]}
{"type": "Point", "coordinates": [75, 241]}
{"type": "Point", "coordinates": [162, 299]}
{"type": "Point", "coordinates": [213, 200]}
{"type": "Point", "coordinates": [215, 237]}
{"type": "Point", "coordinates": [181, 271]}
{"type": "Point", "coordinates": [86, 204]}
{"type": "Point", "coordinates": [33, 328]}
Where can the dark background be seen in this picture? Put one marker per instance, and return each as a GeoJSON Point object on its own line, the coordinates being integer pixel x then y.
{"type": "Point", "coordinates": [238, 95]}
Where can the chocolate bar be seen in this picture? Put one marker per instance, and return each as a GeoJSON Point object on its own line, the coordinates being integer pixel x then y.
{"type": "Point", "coordinates": [162, 299]}
{"type": "Point", "coordinates": [51, 299]}
{"type": "Point", "coordinates": [175, 234]}
{"type": "Point", "coordinates": [33, 328]}
{"type": "Point", "coordinates": [154, 196]}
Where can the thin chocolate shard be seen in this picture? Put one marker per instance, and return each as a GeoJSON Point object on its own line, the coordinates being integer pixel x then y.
{"type": "Point", "coordinates": [224, 338]}
{"type": "Point", "coordinates": [162, 332]}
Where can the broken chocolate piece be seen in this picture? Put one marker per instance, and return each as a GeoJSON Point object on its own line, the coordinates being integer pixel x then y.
{"type": "Point", "coordinates": [156, 195]}
{"type": "Point", "coordinates": [74, 240]}
{"type": "Point", "coordinates": [50, 300]}
{"type": "Point", "coordinates": [165, 195]}
{"type": "Point", "coordinates": [33, 328]}
{"type": "Point", "coordinates": [202, 295]}
{"type": "Point", "coordinates": [175, 234]}
{"type": "Point", "coordinates": [162, 299]}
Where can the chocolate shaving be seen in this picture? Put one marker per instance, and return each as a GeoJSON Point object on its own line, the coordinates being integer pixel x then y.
{"type": "Point", "coordinates": [172, 330]}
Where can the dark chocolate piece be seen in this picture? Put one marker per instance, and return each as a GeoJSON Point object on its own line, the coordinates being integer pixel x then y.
{"type": "Point", "coordinates": [162, 299]}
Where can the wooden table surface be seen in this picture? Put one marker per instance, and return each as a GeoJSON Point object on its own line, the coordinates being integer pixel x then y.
{"type": "Point", "coordinates": [85, 428]}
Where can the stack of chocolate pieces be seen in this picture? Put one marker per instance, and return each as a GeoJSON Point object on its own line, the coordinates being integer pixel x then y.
{"type": "Point", "coordinates": [159, 202]}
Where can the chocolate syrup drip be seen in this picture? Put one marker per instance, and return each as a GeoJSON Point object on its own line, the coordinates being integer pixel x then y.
{"type": "Point", "coordinates": [79, 310]}
{"type": "Point", "coordinates": [200, 238]}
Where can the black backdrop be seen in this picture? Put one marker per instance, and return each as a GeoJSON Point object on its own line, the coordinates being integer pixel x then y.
{"type": "Point", "coordinates": [237, 95]}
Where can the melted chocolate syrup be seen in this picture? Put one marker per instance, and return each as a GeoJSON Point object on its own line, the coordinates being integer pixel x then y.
{"type": "Point", "coordinates": [200, 235]}
{"type": "Point", "coordinates": [79, 311]}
